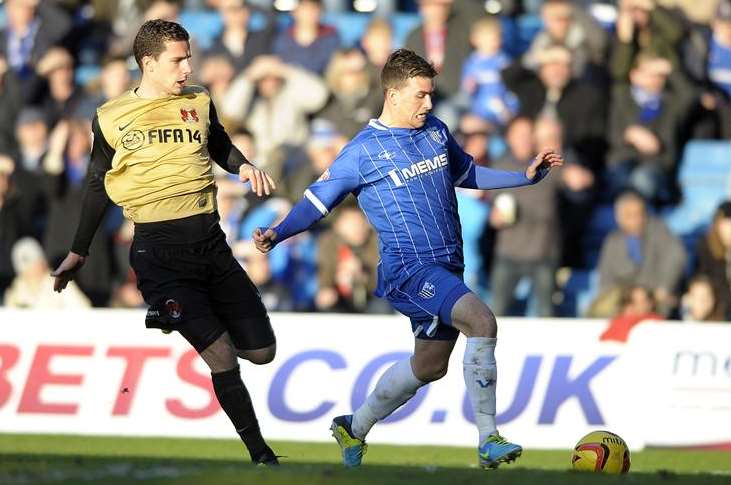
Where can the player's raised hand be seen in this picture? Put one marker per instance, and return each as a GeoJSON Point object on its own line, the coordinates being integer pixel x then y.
{"type": "Point", "coordinates": [66, 271]}
{"type": "Point", "coordinates": [264, 239]}
{"type": "Point", "coordinates": [547, 159]}
{"type": "Point", "coordinates": [261, 182]}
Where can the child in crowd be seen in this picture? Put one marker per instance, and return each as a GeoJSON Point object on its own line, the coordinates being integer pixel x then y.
{"type": "Point", "coordinates": [481, 76]}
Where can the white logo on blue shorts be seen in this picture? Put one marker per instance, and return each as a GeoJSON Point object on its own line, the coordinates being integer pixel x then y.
{"type": "Point", "coordinates": [427, 291]}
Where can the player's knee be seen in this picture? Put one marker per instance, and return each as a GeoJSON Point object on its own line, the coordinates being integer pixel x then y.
{"type": "Point", "coordinates": [220, 356]}
{"type": "Point", "coordinates": [259, 356]}
{"type": "Point", "coordinates": [430, 371]}
{"type": "Point", "coordinates": [488, 324]}
{"type": "Point", "coordinates": [484, 324]}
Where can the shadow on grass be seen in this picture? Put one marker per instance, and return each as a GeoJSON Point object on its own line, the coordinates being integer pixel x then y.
{"type": "Point", "coordinates": [27, 469]}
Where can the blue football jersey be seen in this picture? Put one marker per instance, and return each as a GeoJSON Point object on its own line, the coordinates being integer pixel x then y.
{"type": "Point", "coordinates": [404, 181]}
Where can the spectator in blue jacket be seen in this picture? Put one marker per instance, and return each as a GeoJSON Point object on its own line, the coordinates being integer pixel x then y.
{"type": "Point", "coordinates": [308, 43]}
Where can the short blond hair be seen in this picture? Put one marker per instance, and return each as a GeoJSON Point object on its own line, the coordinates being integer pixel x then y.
{"type": "Point", "coordinates": [487, 24]}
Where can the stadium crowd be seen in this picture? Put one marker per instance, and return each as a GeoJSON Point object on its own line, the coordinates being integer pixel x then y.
{"type": "Point", "coordinates": [620, 88]}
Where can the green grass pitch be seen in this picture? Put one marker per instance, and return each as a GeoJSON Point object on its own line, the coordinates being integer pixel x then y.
{"type": "Point", "coordinates": [41, 459]}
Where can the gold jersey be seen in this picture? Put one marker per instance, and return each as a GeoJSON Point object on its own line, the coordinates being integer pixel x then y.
{"type": "Point", "coordinates": [161, 167]}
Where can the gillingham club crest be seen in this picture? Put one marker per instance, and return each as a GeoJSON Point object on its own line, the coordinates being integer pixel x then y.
{"type": "Point", "coordinates": [437, 136]}
{"type": "Point", "coordinates": [427, 291]}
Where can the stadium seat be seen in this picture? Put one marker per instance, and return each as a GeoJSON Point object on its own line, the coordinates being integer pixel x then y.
{"type": "Point", "coordinates": [705, 181]}
{"type": "Point", "coordinates": [403, 23]}
{"type": "Point", "coordinates": [473, 215]}
{"type": "Point", "coordinates": [518, 33]}
{"type": "Point", "coordinates": [578, 292]}
{"type": "Point", "coordinates": [352, 25]}
{"type": "Point", "coordinates": [600, 224]}
{"type": "Point", "coordinates": [203, 25]}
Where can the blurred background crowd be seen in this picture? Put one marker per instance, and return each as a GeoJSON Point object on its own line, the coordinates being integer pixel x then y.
{"type": "Point", "coordinates": [635, 93]}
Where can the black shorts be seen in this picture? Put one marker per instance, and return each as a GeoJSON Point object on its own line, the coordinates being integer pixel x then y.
{"type": "Point", "coordinates": [201, 291]}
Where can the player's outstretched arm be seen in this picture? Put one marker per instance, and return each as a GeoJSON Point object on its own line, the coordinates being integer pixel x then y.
{"type": "Point", "coordinates": [489, 178]}
{"type": "Point", "coordinates": [320, 198]}
{"type": "Point", "coordinates": [303, 215]}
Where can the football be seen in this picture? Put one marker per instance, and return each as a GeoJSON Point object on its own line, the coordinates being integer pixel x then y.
{"type": "Point", "coordinates": [601, 451]}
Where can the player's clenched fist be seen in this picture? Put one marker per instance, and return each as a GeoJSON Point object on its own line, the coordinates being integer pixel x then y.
{"type": "Point", "coordinates": [264, 239]}
{"type": "Point", "coordinates": [261, 182]}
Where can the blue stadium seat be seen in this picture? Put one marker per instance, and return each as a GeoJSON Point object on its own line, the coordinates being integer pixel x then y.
{"type": "Point", "coordinates": [352, 25]}
{"type": "Point", "coordinates": [518, 33]}
{"type": "Point", "coordinates": [203, 25]}
{"type": "Point", "coordinates": [578, 292]}
{"type": "Point", "coordinates": [600, 224]}
{"type": "Point", "coordinates": [403, 24]}
{"type": "Point", "coordinates": [86, 73]}
{"type": "Point", "coordinates": [705, 181]}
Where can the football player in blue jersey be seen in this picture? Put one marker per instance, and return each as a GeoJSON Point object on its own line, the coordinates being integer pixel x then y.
{"type": "Point", "coordinates": [403, 168]}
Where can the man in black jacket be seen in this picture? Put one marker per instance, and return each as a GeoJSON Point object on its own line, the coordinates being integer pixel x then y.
{"type": "Point", "coordinates": [552, 92]}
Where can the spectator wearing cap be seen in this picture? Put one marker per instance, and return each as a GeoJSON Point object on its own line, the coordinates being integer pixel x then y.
{"type": "Point", "coordinates": [273, 100]}
{"type": "Point", "coordinates": [553, 92]}
{"type": "Point", "coordinates": [647, 112]}
{"type": "Point", "coordinates": [308, 43]}
{"type": "Point", "coordinates": [237, 43]}
{"type": "Point", "coordinates": [713, 255]}
{"type": "Point", "coordinates": [61, 96]}
{"type": "Point", "coordinates": [708, 60]}
{"type": "Point", "coordinates": [31, 134]}
{"type": "Point", "coordinates": [32, 288]}
{"type": "Point", "coordinates": [31, 131]}
{"type": "Point", "coordinates": [568, 25]}
{"type": "Point", "coordinates": [352, 101]}
{"type": "Point", "coordinates": [641, 252]}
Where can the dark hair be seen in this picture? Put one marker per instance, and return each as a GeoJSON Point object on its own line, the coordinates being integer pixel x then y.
{"type": "Point", "coordinates": [401, 66]}
{"type": "Point", "coordinates": [151, 38]}
{"type": "Point", "coordinates": [715, 245]}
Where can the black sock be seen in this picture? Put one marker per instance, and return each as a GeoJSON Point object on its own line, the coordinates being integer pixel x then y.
{"type": "Point", "coordinates": [236, 402]}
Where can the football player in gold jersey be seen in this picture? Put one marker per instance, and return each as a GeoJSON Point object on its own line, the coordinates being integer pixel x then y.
{"type": "Point", "coordinates": [152, 154]}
